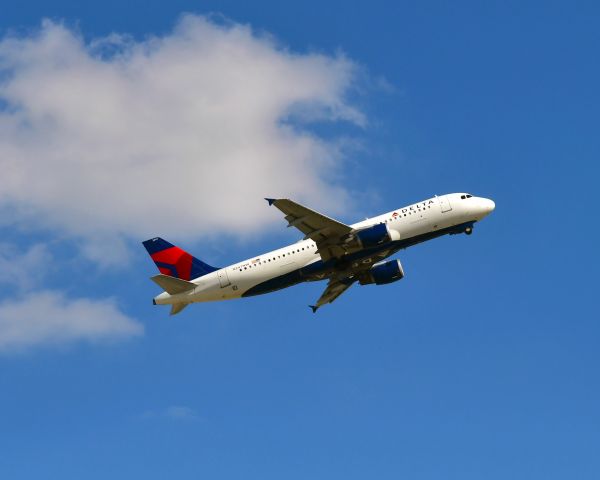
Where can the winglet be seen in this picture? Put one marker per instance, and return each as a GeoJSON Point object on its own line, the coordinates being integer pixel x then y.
{"type": "Point", "coordinates": [314, 308]}
{"type": "Point", "coordinates": [271, 200]}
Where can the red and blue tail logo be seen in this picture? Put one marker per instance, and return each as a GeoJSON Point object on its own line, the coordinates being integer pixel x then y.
{"type": "Point", "coordinates": [174, 261]}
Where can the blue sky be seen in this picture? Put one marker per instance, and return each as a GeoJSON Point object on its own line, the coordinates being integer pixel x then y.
{"type": "Point", "coordinates": [481, 363]}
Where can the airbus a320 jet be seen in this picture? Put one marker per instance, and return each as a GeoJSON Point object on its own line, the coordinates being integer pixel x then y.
{"type": "Point", "coordinates": [330, 250]}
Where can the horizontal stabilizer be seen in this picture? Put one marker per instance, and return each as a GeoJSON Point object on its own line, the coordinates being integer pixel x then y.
{"type": "Point", "coordinates": [177, 307]}
{"type": "Point", "coordinates": [172, 285]}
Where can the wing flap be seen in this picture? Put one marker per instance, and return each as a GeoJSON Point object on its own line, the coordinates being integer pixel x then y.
{"type": "Point", "coordinates": [326, 232]}
{"type": "Point", "coordinates": [308, 221]}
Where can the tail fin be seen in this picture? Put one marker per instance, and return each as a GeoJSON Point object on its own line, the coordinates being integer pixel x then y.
{"type": "Point", "coordinates": [175, 262]}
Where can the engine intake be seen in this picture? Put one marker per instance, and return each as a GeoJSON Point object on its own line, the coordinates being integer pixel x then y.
{"type": "Point", "coordinates": [382, 273]}
{"type": "Point", "coordinates": [376, 235]}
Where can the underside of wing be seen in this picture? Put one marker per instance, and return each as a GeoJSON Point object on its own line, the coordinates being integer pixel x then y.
{"type": "Point", "coordinates": [366, 263]}
{"type": "Point", "coordinates": [347, 274]}
{"type": "Point", "coordinates": [326, 232]}
{"type": "Point", "coordinates": [334, 289]}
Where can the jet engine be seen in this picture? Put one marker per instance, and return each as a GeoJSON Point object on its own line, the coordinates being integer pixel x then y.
{"type": "Point", "coordinates": [375, 235]}
{"type": "Point", "coordinates": [382, 273]}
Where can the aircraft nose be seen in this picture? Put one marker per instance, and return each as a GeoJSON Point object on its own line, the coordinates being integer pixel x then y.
{"type": "Point", "coordinates": [489, 205]}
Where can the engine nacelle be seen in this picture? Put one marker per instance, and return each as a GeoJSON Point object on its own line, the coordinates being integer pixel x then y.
{"type": "Point", "coordinates": [382, 273]}
{"type": "Point", "coordinates": [376, 235]}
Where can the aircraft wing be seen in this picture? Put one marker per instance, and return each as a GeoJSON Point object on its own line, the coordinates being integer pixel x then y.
{"type": "Point", "coordinates": [326, 232]}
{"type": "Point", "coordinates": [334, 289]}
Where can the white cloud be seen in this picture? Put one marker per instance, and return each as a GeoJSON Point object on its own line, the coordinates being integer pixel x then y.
{"type": "Point", "coordinates": [48, 318]}
{"type": "Point", "coordinates": [23, 269]}
{"type": "Point", "coordinates": [179, 135]}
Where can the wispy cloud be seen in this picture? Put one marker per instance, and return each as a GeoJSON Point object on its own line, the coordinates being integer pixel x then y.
{"type": "Point", "coordinates": [181, 413]}
{"type": "Point", "coordinates": [174, 412]}
{"type": "Point", "coordinates": [22, 269]}
{"type": "Point", "coordinates": [48, 318]}
{"type": "Point", "coordinates": [176, 135]}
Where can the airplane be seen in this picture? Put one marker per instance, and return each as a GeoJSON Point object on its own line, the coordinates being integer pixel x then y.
{"type": "Point", "coordinates": [330, 250]}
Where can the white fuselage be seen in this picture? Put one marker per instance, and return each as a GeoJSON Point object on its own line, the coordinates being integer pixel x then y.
{"type": "Point", "coordinates": [422, 219]}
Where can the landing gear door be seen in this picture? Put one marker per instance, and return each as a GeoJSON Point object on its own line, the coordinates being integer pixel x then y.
{"type": "Point", "coordinates": [223, 278]}
{"type": "Point", "coordinates": [445, 204]}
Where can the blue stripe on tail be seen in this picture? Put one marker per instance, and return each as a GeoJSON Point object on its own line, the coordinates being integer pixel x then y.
{"type": "Point", "coordinates": [172, 260]}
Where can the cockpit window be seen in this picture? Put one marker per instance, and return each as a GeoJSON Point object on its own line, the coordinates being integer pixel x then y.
{"type": "Point", "coordinates": [467, 195]}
